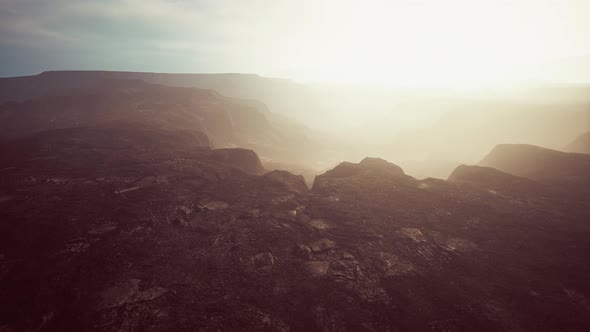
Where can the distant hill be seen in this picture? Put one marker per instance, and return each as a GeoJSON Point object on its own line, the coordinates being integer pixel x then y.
{"type": "Point", "coordinates": [580, 145]}
{"type": "Point", "coordinates": [397, 125]}
{"type": "Point", "coordinates": [282, 96]}
{"type": "Point", "coordinates": [52, 82]}
{"type": "Point", "coordinates": [471, 128]}
{"type": "Point", "coordinates": [541, 164]}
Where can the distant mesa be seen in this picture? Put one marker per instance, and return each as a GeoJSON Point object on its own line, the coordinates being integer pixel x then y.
{"type": "Point", "coordinates": [60, 82]}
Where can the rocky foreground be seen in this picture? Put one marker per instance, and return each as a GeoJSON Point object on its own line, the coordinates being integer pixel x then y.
{"type": "Point", "coordinates": [128, 229]}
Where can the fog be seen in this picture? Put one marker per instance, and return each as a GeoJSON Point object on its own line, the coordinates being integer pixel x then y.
{"type": "Point", "coordinates": [429, 131]}
{"type": "Point", "coordinates": [294, 165]}
{"type": "Point", "coordinates": [426, 84]}
{"type": "Point", "coordinates": [308, 128]}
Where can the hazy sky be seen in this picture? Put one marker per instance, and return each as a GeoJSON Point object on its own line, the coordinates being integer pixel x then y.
{"type": "Point", "coordinates": [399, 42]}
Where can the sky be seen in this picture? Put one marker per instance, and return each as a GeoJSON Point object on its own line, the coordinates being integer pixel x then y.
{"type": "Point", "coordinates": [386, 42]}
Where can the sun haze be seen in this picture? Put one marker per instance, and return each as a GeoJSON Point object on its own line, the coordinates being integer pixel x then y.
{"type": "Point", "coordinates": [409, 43]}
{"type": "Point", "coordinates": [294, 165]}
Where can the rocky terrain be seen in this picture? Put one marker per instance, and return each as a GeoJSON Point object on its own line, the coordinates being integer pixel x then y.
{"type": "Point", "coordinates": [125, 229]}
{"type": "Point", "coordinates": [126, 207]}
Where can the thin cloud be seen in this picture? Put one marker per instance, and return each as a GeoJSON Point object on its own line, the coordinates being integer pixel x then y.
{"type": "Point", "coordinates": [307, 39]}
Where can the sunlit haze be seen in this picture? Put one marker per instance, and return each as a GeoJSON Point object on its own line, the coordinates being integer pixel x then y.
{"type": "Point", "coordinates": [398, 79]}
{"type": "Point", "coordinates": [464, 44]}
{"type": "Point", "coordinates": [294, 165]}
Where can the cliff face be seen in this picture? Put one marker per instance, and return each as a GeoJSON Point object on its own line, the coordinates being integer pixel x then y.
{"type": "Point", "coordinates": [227, 122]}
{"type": "Point", "coordinates": [163, 107]}
{"type": "Point", "coordinates": [282, 96]}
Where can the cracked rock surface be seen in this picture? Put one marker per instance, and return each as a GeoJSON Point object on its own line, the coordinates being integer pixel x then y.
{"type": "Point", "coordinates": [104, 236]}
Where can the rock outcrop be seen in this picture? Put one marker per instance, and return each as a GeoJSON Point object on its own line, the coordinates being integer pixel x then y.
{"type": "Point", "coordinates": [369, 169]}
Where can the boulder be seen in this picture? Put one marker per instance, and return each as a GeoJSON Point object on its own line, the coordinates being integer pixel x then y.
{"type": "Point", "coordinates": [322, 245]}
{"type": "Point", "coordinates": [317, 268]}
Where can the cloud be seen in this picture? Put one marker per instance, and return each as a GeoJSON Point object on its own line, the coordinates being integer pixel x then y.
{"type": "Point", "coordinates": [198, 34]}
{"type": "Point", "coordinates": [303, 39]}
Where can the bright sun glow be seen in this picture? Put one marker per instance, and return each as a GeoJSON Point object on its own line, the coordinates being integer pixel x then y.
{"type": "Point", "coordinates": [465, 44]}
{"type": "Point", "coordinates": [459, 43]}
